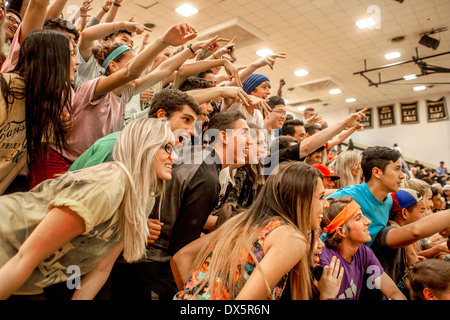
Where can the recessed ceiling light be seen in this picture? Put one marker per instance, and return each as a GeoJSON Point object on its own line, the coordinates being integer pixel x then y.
{"type": "Point", "coordinates": [301, 73]}
{"type": "Point", "coordinates": [350, 100]}
{"type": "Point", "coordinates": [419, 88]}
{"type": "Point", "coordinates": [301, 108]}
{"type": "Point", "coordinates": [365, 23]}
{"type": "Point", "coordinates": [392, 55]}
{"type": "Point", "coordinates": [264, 52]}
{"type": "Point", "coordinates": [186, 10]}
{"type": "Point", "coordinates": [286, 101]}
{"type": "Point", "coordinates": [335, 91]}
{"type": "Point", "coordinates": [410, 77]}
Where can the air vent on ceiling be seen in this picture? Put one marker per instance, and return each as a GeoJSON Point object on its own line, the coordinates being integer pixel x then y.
{"type": "Point", "coordinates": [245, 32]}
{"type": "Point", "coordinates": [145, 4]}
{"type": "Point", "coordinates": [320, 84]}
{"type": "Point", "coordinates": [304, 103]}
{"type": "Point", "coordinates": [397, 39]}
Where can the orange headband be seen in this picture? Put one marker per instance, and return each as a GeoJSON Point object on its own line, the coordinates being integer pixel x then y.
{"type": "Point", "coordinates": [342, 217]}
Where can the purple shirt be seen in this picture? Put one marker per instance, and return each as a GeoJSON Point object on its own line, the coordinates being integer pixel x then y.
{"type": "Point", "coordinates": [364, 262]}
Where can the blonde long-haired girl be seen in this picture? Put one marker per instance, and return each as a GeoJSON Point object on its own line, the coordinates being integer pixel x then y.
{"type": "Point", "coordinates": [86, 218]}
{"type": "Point", "coordinates": [250, 256]}
{"type": "Point", "coordinates": [347, 165]}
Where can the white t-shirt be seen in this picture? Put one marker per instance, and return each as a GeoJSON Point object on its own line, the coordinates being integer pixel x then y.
{"type": "Point", "coordinates": [255, 118]}
{"type": "Point", "coordinates": [87, 70]}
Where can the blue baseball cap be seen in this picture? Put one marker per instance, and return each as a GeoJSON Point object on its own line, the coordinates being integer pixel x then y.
{"type": "Point", "coordinates": [407, 197]}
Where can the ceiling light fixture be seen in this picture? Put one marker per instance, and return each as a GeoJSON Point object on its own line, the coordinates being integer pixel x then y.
{"type": "Point", "coordinates": [264, 52]}
{"type": "Point", "coordinates": [186, 10]}
{"type": "Point", "coordinates": [350, 100]}
{"type": "Point", "coordinates": [419, 88]}
{"type": "Point", "coordinates": [335, 91]}
{"type": "Point", "coordinates": [410, 77]}
{"type": "Point", "coordinates": [366, 23]}
{"type": "Point", "coordinates": [392, 55]}
{"type": "Point", "coordinates": [301, 73]}
{"type": "Point", "coordinates": [301, 108]}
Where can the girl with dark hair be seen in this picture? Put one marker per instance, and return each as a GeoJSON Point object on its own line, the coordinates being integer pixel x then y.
{"type": "Point", "coordinates": [98, 105]}
{"type": "Point", "coordinates": [35, 95]}
{"type": "Point", "coordinates": [248, 256]}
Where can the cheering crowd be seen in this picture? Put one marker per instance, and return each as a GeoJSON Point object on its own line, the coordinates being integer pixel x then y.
{"type": "Point", "coordinates": [166, 171]}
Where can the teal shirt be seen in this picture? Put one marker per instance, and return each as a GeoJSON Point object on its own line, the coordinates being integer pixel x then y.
{"type": "Point", "coordinates": [376, 211]}
{"type": "Point", "coordinates": [99, 152]}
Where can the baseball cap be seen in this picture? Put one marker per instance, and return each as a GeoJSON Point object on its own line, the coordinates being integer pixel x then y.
{"type": "Point", "coordinates": [407, 197]}
{"type": "Point", "coordinates": [325, 171]}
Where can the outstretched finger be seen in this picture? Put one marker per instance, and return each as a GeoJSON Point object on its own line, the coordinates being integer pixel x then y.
{"type": "Point", "coordinates": [279, 55]}
{"type": "Point", "coordinates": [237, 78]}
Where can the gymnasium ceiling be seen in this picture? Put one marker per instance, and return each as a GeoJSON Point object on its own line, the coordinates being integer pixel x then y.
{"type": "Point", "coordinates": [319, 36]}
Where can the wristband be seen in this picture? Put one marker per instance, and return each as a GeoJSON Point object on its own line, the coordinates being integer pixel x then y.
{"type": "Point", "coordinates": [116, 4]}
{"type": "Point", "coordinates": [104, 9]}
{"type": "Point", "coordinates": [190, 48]}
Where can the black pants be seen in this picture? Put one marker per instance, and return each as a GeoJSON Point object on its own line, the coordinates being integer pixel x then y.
{"type": "Point", "coordinates": [142, 281]}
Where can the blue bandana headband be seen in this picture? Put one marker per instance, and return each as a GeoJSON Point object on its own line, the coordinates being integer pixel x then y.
{"type": "Point", "coordinates": [117, 52]}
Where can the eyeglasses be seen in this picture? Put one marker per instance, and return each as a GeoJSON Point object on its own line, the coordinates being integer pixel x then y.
{"type": "Point", "coordinates": [13, 20]}
{"type": "Point", "coordinates": [282, 112]}
{"type": "Point", "coordinates": [169, 148]}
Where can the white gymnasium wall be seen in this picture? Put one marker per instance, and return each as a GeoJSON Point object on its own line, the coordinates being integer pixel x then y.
{"type": "Point", "coordinates": [428, 142]}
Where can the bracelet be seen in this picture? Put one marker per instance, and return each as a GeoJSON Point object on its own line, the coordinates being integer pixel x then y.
{"type": "Point", "coordinates": [104, 9]}
{"type": "Point", "coordinates": [116, 4]}
{"type": "Point", "coordinates": [190, 48]}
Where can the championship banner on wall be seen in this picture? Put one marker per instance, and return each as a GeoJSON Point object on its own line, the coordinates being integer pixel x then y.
{"type": "Point", "coordinates": [386, 116]}
{"type": "Point", "coordinates": [367, 121]}
{"type": "Point", "coordinates": [409, 113]}
{"type": "Point", "coordinates": [436, 110]}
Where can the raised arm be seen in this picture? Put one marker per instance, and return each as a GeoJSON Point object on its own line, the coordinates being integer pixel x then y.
{"type": "Point", "coordinates": [265, 61]}
{"type": "Point", "coordinates": [34, 18]}
{"type": "Point", "coordinates": [235, 94]}
{"type": "Point", "coordinates": [319, 139]}
{"type": "Point", "coordinates": [186, 70]}
{"type": "Point", "coordinates": [56, 8]}
{"type": "Point", "coordinates": [344, 135]}
{"type": "Point", "coordinates": [83, 18]}
{"type": "Point", "coordinates": [89, 35]}
{"type": "Point", "coordinates": [99, 15]}
{"type": "Point", "coordinates": [168, 67]}
{"type": "Point", "coordinates": [112, 13]}
{"type": "Point", "coordinates": [175, 36]}
{"type": "Point", "coordinates": [412, 232]}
